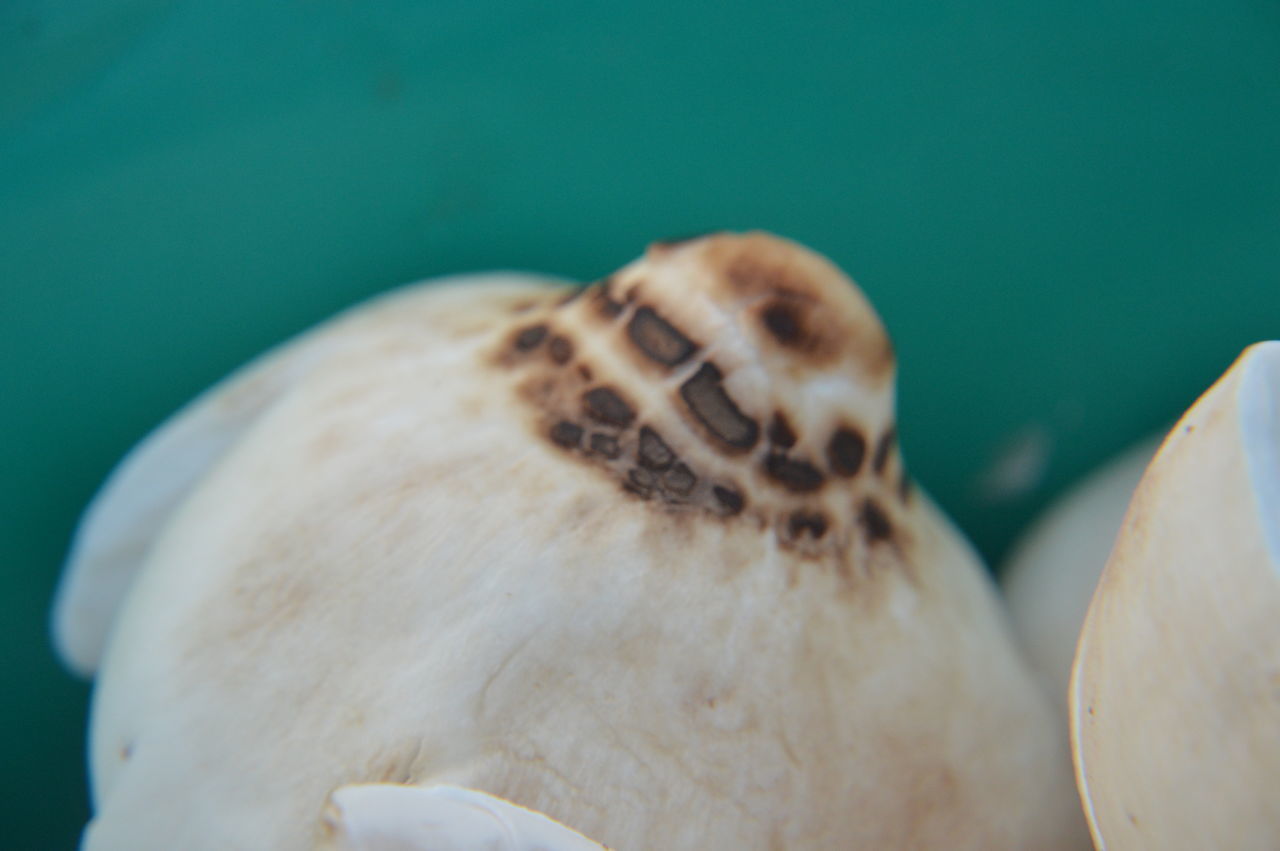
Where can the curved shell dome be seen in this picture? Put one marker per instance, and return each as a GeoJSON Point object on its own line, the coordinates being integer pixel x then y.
{"type": "Point", "coordinates": [641, 557]}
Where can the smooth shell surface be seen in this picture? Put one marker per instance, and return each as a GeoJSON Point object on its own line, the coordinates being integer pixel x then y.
{"type": "Point", "coordinates": [1176, 688]}
{"type": "Point", "coordinates": [643, 557]}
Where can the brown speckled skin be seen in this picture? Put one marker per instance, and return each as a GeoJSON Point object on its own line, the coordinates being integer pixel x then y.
{"type": "Point", "coordinates": [400, 572]}
{"type": "Point", "coordinates": [715, 340]}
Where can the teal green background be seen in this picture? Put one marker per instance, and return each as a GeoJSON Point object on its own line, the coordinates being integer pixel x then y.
{"type": "Point", "coordinates": [1068, 214]}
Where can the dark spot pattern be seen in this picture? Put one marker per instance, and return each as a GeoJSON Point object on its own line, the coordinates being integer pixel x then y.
{"type": "Point", "coordinates": [845, 451]}
{"type": "Point", "coordinates": [593, 411]}
{"type": "Point", "coordinates": [783, 321]}
{"type": "Point", "coordinates": [608, 308]}
{"type": "Point", "coordinates": [679, 479]}
{"type": "Point", "coordinates": [780, 431]}
{"type": "Point", "coordinates": [793, 474]}
{"type": "Point", "coordinates": [804, 522]}
{"type": "Point", "coordinates": [641, 477]}
{"type": "Point", "coordinates": [710, 403]}
{"type": "Point", "coordinates": [640, 482]}
{"type": "Point", "coordinates": [566, 434]}
{"type": "Point", "coordinates": [605, 405]}
{"type": "Point", "coordinates": [654, 454]}
{"type": "Point", "coordinates": [730, 500]}
{"type": "Point", "coordinates": [658, 339]}
{"type": "Point", "coordinates": [560, 349]}
{"type": "Point", "coordinates": [606, 445]}
{"type": "Point", "coordinates": [530, 337]}
{"type": "Point", "coordinates": [875, 522]}
{"type": "Point", "coordinates": [883, 447]}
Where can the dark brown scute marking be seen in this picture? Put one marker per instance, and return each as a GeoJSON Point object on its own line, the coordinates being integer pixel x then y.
{"type": "Point", "coordinates": [679, 479]}
{"type": "Point", "coordinates": [875, 522]}
{"type": "Point", "coordinates": [530, 337]}
{"type": "Point", "coordinates": [658, 338]}
{"type": "Point", "coordinates": [585, 372]}
{"type": "Point", "coordinates": [606, 445]}
{"type": "Point", "coordinates": [784, 323]}
{"type": "Point", "coordinates": [639, 482]}
{"type": "Point", "coordinates": [708, 401]}
{"type": "Point", "coordinates": [604, 405]}
{"type": "Point", "coordinates": [730, 500]}
{"type": "Point", "coordinates": [654, 454]}
{"type": "Point", "coordinates": [608, 308]}
{"type": "Point", "coordinates": [883, 448]}
{"type": "Point", "coordinates": [566, 434]}
{"type": "Point", "coordinates": [801, 522]}
{"type": "Point", "coordinates": [641, 477]}
{"type": "Point", "coordinates": [845, 451]}
{"type": "Point", "coordinates": [780, 431]}
{"type": "Point", "coordinates": [794, 475]}
{"type": "Point", "coordinates": [560, 349]}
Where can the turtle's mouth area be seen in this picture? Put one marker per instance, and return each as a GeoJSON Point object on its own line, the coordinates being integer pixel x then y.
{"type": "Point", "coordinates": [1260, 433]}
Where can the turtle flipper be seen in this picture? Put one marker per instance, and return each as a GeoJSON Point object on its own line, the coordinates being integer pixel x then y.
{"type": "Point", "coordinates": [394, 817]}
{"type": "Point", "coordinates": [142, 493]}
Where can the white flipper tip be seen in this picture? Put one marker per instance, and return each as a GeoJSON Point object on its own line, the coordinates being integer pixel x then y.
{"type": "Point", "coordinates": [394, 817]}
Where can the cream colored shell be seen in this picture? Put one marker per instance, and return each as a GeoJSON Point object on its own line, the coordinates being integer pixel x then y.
{"type": "Point", "coordinates": [441, 546]}
{"type": "Point", "coordinates": [1176, 687]}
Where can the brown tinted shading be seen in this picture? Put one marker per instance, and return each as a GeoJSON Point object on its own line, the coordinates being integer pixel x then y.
{"type": "Point", "coordinates": [530, 337]}
{"type": "Point", "coordinates": [793, 474]}
{"type": "Point", "coordinates": [604, 405]}
{"type": "Point", "coordinates": [605, 303]}
{"type": "Point", "coordinates": [875, 522]}
{"type": "Point", "coordinates": [658, 338]}
{"type": "Point", "coordinates": [802, 522]}
{"type": "Point", "coordinates": [883, 448]}
{"type": "Point", "coordinates": [679, 479]}
{"type": "Point", "coordinates": [751, 271]}
{"type": "Point", "coordinates": [566, 434]}
{"type": "Point", "coordinates": [845, 451]}
{"type": "Point", "coordinates": [560, 349]}
{"type": "Point", "coordinates": [654, 454]}
{"type": "Point", "coordinates": [783, 321]}
{"type": "Point", "coordinates": [730, 500]}
{"type": "Point", "coordinates": [640, 482]}
{"type": "Point", "coordinates": [711, 405]}
{"type": "Point", "coordinates": [780, 431]}
{"type": "Point", "coordinates": [606, 445]}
